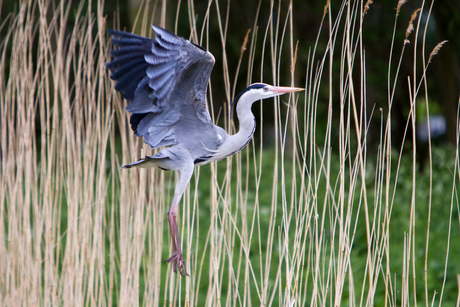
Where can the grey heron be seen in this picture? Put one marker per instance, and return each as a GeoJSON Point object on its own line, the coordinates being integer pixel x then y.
{"type": "Point", "coordinates": [166, 80]}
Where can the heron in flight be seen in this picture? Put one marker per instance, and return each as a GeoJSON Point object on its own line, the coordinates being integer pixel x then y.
{"type": "Point", "coordinates": [166, 80]}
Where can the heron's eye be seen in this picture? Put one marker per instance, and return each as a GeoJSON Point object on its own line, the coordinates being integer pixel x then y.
{"type": "Point", "coordinates": [265, 88]}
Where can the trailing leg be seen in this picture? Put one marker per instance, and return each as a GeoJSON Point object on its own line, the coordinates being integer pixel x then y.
{"type": "Point", "coordinates": [176, 258]}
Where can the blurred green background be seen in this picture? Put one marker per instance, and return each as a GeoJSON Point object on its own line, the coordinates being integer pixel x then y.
{"type": "Point", "coordinates": [443, 79]}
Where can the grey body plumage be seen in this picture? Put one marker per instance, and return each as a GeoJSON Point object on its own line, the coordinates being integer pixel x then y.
{"type": "Point", "coordinates": [166, 80]}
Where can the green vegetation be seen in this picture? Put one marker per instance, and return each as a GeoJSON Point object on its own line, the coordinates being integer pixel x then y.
{"type": "Point", "coordinates": [323, 209]}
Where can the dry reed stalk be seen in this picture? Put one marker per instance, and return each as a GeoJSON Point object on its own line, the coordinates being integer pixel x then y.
{"type": "Point", "coordinates": [76, 230]}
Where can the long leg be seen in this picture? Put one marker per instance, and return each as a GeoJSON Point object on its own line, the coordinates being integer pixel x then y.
{"type": "Point", "coordinates": [179, 159]}
{"type": "Point", "coordinates": [177, 259]}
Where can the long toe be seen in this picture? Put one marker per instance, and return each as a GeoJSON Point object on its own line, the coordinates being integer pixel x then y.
{"type": "Point", "coordinates": [178, 264]}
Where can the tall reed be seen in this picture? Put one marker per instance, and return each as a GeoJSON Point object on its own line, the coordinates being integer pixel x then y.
{"type": "Point", "coordinates": [272, 225]}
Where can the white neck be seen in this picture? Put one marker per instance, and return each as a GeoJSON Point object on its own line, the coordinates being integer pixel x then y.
{"type": "Point", "coordinates": [238, 141]}
{"type": "Point", "coordinates": [246, 120]}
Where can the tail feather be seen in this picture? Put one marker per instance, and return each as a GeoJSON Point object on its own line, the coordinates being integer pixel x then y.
{"type": "Point", "coordinates": [142, 163]}
{"type": "Point", "coordinates": [147, 162]}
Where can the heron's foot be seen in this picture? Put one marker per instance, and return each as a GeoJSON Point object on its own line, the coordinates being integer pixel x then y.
{"type": "Point", "coordinates": [178, 263]}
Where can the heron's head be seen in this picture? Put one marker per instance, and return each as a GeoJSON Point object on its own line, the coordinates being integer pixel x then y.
{"type": "Point", "coordinates": [259, 91]}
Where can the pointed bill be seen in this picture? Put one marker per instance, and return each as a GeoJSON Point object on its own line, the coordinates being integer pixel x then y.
{"type": "Point", "coordinates": [285, 89]}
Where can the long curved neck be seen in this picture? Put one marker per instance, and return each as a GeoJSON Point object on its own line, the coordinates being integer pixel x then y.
{"type": "Point", "coordinates": [246, 120]}
{"type": "Point", "coordinates": [238, 141]}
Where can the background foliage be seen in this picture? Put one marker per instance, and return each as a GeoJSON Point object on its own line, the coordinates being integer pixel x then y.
{"type": "Point", "coordinates": [335, 202]}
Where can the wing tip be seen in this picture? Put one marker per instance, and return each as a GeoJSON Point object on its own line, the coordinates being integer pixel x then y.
{"type": "Point", "coordinates": [162, 32]}
{"type": "Point", "coordinates": [166, 35]}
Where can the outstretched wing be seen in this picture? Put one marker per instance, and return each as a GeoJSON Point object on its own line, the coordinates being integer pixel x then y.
{"type": "Point", "coordinates": [166, 79]}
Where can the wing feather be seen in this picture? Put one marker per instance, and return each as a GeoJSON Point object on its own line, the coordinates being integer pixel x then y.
{"type": "Point", "coordinates": [154, 71]}
{"type": "Point", "coordinates": [162, 78]}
